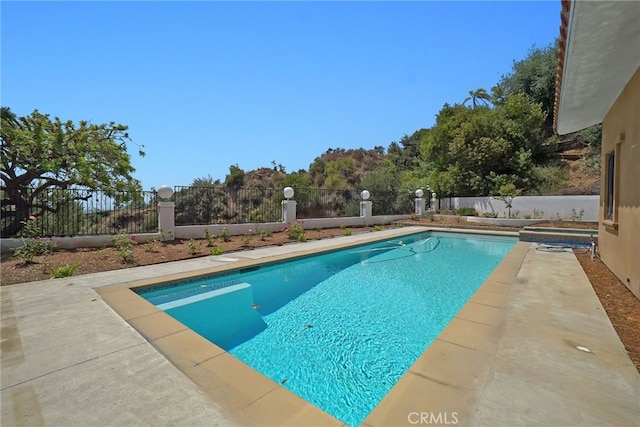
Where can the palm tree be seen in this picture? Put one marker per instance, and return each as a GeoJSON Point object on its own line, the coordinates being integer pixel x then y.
{"type": "Point", "coordinates": [476, 96]}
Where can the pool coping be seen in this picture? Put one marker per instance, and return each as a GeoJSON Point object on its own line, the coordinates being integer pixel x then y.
{"type": "Point", "coordinates": [457, 362]}
{"type": "Point", "coordinates": [250, 398]}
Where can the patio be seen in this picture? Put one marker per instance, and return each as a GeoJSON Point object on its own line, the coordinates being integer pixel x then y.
{"type": "Point", "coordinates": [514, 355]}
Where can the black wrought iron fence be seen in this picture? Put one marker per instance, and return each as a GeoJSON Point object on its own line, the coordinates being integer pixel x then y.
{"type": "Point", "coordinates": [82, 212]}
{"type": "Point", "coordinates": [326, 203]}
{"type": "Point", "coordinates": [219, 204]}
{"type": "Point", "coordinates": [392, 202]}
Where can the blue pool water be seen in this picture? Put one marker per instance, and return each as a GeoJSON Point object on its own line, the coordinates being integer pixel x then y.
{"type": "Point", "coordinates": [339, 329]}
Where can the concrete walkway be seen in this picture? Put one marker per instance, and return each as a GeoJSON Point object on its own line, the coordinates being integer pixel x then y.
{"type": "Point", "coordinates": [558, 360]}
{"type": "Point", "coordinates": [69, 360]}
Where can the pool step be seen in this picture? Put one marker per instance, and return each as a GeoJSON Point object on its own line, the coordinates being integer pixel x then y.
{"type": "Point", "coordinates": [203, 296]}
{"type": "Point", "coordinates": [226, 316]}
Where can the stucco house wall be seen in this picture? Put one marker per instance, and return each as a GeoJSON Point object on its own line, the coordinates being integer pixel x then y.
{"type": "Point", "coordinates": [620, 241]}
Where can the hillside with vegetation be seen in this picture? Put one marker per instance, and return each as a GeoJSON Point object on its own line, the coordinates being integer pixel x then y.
{"type": "Point", "coordinates": [479, 146]}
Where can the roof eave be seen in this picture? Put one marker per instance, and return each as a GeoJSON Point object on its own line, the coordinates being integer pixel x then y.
{"type": "Point", "coordinates": [600, 55]}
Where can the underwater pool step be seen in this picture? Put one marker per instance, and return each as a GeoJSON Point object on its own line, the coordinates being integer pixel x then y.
{"type": "Point", "coordinates": [203, 296]}
{"type": "Point", "coordinates": [227, 316]}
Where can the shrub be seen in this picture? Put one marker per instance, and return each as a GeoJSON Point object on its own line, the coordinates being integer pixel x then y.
{"type": "Point", "coordinates": [467, 211]}
{"type": "Point", "coordinates": [124, 245]}
{"type": "Point", "coordinates": [295, 230]}
{"type": "Point", "coordinates": [552, 177]}
{"type": "Point", "coordinates": [210, 238]}
{"type": "Point", "coordinates": [216, 250]}
{"type": "Point", "coordinates": [576, 216]}
{"type": "Point", "coordinates": [225, 235]}
{"type": "Point", "coordinates": [166, 235]}
{"type": "Point", "coordinates": [33, 245]}
{"type": "Point", "coordinates": [378, 227]}
{"type": "Point", "coordinates": [346, 232]}
{"type": "Point", "coordinates": [590, 163]}
{"type": "Point", "coordinates": [264, 234]}
{"type": "Point", "coordinates": [63, 271]}
{"type": "Point", "coordinates": [246, 238]}
{"type": "Point", "coordinates": [151, 245]}
{"type": "Point", "coordinates": [103, 253]}
{"type": "Point", "coordinates": [193, 247]}
{"type": "Point", "coordinates": [302, 238]}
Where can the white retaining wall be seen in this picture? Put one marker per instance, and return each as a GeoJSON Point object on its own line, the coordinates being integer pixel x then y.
{"type": "Point", "coordinates": [80, 241]}
{"type": "Point", "coordinates": [547, 207]}
{"type": "Point", "coordinates": [197, 231]}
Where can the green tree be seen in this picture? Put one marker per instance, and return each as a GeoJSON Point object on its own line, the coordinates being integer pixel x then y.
{"type": "Point", "coordinates": [405, 155]}
{"type": "Point", "coordinates": [477, 96]}
{"type": "Point", "coordinates": [473, 152]}
{"type": "Point", "coordinates": [204, 202]}
{"type": "Point", "coordinates": [297, 180]}
{"type": "Point", "coordinates": [535, 76]}
{"type": "Point", "coordinates": [340, 174]}
{"type": "Point", "coordinates": [507, 193]}
{"type": "Point", "coordinates": [235, 179]}
{"type": "Point", "coordinates": [308, 200]}
{"type": "Point", "coordinates": [316, 172]}
{"type": "Point", "coordinates": [40, 154]}
{"type": "Point", "coordinates": [384, 186]}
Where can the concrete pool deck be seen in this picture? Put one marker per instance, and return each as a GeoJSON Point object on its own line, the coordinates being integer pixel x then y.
{"type": "Point", "coordinates": [86, 350]}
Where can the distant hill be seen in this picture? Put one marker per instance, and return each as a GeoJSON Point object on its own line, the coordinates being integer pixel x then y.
{"type": "Point", "coordinates": [361, 163]}
{"type": "Point", "coordinates": [575, 177]}
{"type": "Point", "coordinates": [578, 179]}
{"type": "Point", "coordinates": [264, 178]}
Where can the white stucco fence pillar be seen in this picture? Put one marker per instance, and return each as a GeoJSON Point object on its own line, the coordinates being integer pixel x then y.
{"type": "Point", "coordinates": [166, 220]}
{"type": "Point", "coordinates": [288, 211]}
{"type": "Point", "coordinates": [288, 206]}
{"type": "Point", "coordinates": [366, 210]}
{"type": "Point", "coordinates": [419, 206]}
{"type": "Point", "coordinates": [419, 203]}
{"type": "Point", "coordinates": [166, 214]}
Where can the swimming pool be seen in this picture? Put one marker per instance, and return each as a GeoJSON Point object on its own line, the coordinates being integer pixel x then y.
{"type": "Point", "coordinates": [341, 328]}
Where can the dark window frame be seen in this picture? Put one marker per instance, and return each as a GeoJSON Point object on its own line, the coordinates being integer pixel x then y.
{"type": "Point", "coordinates": [611, 186]}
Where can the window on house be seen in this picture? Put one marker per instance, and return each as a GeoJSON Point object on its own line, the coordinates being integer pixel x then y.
{"type": "Point", "coordinates": [611, 174]}
{"type": "Point", "coordinates": [612, 184]}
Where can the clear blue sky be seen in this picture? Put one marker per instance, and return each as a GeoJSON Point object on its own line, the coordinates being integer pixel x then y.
{"type": "Point", "coordinates": [204, 85]}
